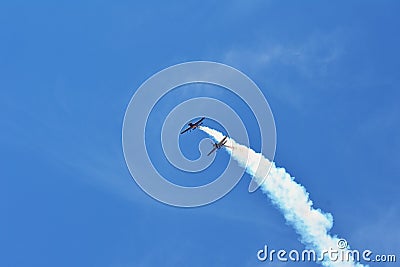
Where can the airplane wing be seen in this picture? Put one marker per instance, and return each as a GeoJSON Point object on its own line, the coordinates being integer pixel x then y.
{"type": "Point", "coordinates": [186, 130]}
{"type": "Point", "coordinates": [215, 148]}
{"type": "Point", "coordinates": [202, 119]}
{"type": "Point", "coordinates": [197, 123]}
{"type": "Point", "coordinates": [223, 141]}
{"type": "Point", "coordinates": [193, 125]}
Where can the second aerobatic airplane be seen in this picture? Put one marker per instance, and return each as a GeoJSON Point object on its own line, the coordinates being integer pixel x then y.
{"type": "Point", "coordinates": [219, 145]}
{"type": "Point", "coordinates": [193, 126]}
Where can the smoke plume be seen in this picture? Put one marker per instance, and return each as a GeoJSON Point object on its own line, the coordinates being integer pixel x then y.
{"type": "Point", "coordinates": [291, 198]}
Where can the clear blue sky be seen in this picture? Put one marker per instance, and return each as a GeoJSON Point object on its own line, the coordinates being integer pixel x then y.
{"type": "Point", "coordinates": [68, 70]}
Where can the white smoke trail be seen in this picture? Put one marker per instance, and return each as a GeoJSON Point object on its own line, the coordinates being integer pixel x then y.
{"type": "Point", "coordinates": [291, 198]}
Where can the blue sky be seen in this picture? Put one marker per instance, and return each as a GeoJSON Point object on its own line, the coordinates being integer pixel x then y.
{"type": "Point", "coordinates": [330, 73]}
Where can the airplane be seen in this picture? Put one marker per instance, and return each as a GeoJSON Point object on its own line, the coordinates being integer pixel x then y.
{"type": "Point", "coordinates": [193, 126]}
{"type": "Point", "coordinates": [219, 145]}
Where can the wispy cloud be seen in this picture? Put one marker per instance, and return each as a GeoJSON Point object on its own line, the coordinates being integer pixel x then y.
{"type": "Point", "coordinates": [285, 67]}
{"type": "Point", "coordinates": [310, 56]}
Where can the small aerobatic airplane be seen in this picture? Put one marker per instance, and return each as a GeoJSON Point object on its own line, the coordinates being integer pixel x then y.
{"type": "Point", "coordinates": [193, 125]}
{"type": "Point", "coordinates": [219, 145]}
